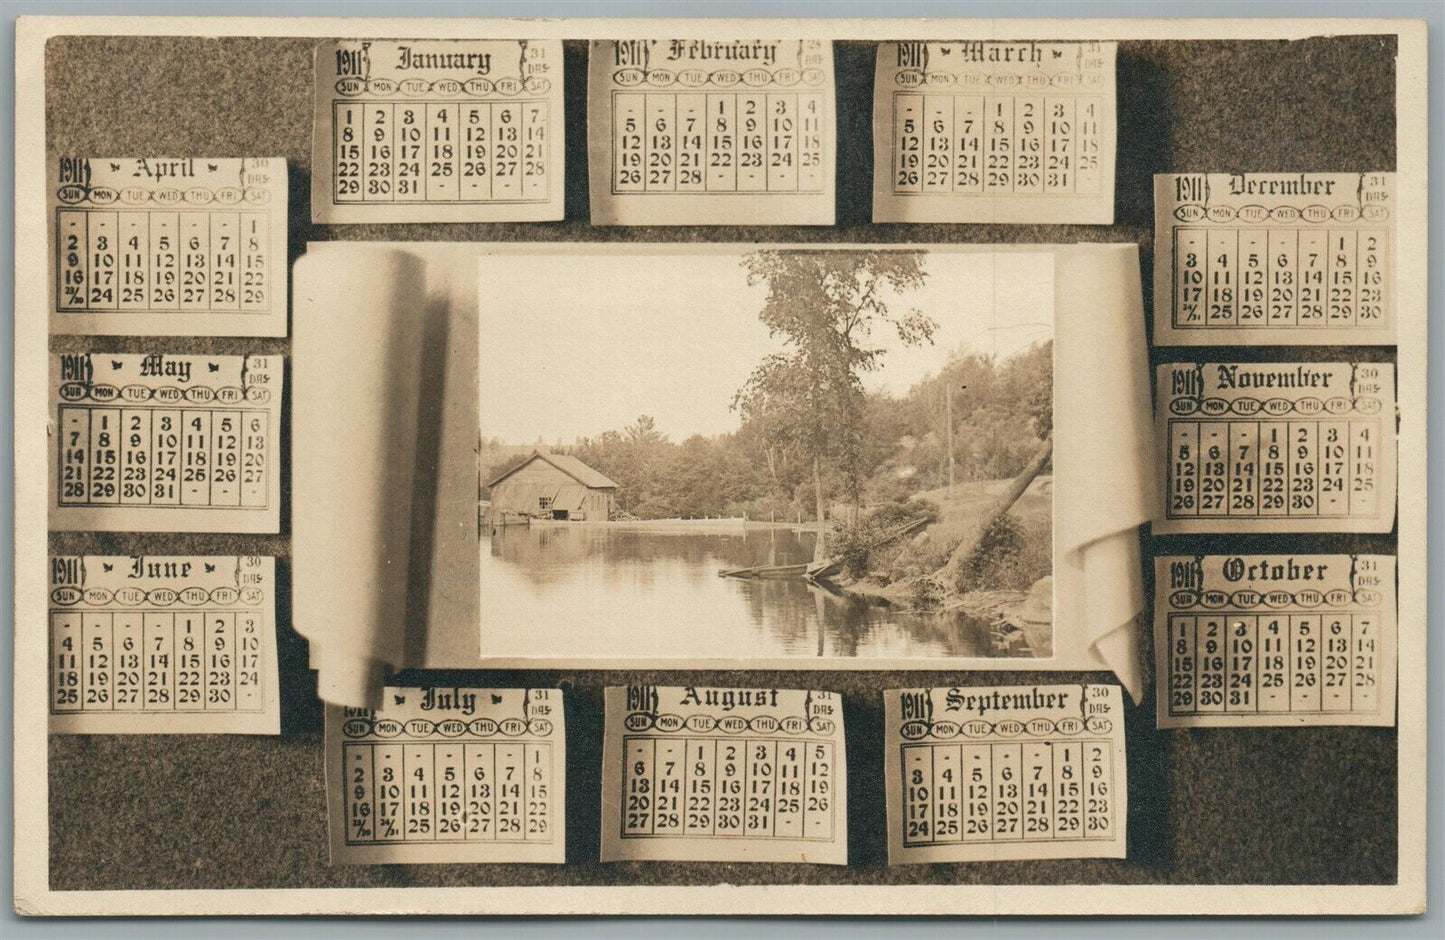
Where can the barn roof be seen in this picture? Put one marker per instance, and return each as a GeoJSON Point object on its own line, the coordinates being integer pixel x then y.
{"type": "Point", "coordinates": [569, 465]}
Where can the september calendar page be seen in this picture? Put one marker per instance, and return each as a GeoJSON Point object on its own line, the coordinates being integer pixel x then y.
{"type": "Point", "coordinates": [772, 466]}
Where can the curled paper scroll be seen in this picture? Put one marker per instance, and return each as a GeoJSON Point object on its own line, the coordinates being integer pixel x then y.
{"type": "Point", "coordinates": [1104, 454]}
{"type": "Point", "coordinates": [358, 377]}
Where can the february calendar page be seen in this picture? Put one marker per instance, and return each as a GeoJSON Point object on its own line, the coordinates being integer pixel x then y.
{"type": "Point", "coordinates": [692, 131]}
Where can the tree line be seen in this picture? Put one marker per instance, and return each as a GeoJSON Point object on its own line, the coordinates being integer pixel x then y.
{"type": "Point", "coordinates": [810, 436]}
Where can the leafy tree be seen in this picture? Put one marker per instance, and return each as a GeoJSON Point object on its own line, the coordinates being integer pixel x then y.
{"type": "Point", "coordinates": [824, 306]}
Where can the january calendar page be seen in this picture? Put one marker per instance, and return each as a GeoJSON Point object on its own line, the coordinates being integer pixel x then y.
{"type": "Point", "coordinates": [437, 130]}
{"type": "Point", "coordinates": [168, 245]}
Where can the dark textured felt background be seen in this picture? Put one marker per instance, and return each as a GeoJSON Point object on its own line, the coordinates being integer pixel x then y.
{"type": "Point", "coordinates": [1205, 807]}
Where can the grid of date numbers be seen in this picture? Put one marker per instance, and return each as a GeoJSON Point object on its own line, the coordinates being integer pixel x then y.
{"type": "Point", "coordinates": [447, 152]}
{"type": "Point", "coordinates": [192, 457]}
{"type": "Point", "coordinates": [729, 142]}
{"type": "Point", "coordinates": [1325, 662]}
{"type": "Point", "coordinates": [1248, 469]}
{"type": "Point", "coordinates": [1014, 145]}
{"type": "Point", "coordinates": [139, 259]}
{"type": "Point", "coordinates": [426, 791]}
{"type": "Point", "coordinates": [1008, 792]}
{"type": "Point", "coordinates": [1273, 277]}
{"type": "Point", "coordinates": [156, 661]}
{"type": "Point", "coordinates": [728, 788]}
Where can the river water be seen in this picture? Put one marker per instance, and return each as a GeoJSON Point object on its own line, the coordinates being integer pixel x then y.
{"type": "Point", "coordinates": [579, 590]}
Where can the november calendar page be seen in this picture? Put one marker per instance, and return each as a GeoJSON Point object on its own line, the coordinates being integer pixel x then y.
{"type": "Point", "coordinates": [720, 466]}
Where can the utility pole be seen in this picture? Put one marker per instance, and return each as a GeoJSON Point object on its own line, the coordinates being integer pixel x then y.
{"type": "Point", "coordinates": [948, 436]}
{"type": "Point", "coordinates": [948, 397]}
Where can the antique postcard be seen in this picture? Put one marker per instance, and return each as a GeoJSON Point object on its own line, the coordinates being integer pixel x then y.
{"type": "Point", "coordinates": [543, 467]}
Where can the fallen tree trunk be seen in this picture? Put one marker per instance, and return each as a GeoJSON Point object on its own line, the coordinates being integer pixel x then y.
{"type": "Point", "coordinates": [950, 572]}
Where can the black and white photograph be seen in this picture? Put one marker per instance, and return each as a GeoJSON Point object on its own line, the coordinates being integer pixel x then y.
{"type": "Point", "coordinates": [766, 453]}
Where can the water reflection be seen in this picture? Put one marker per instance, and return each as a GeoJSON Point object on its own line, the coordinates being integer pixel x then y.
{"type": "Point", "coordinates": [578, 590]}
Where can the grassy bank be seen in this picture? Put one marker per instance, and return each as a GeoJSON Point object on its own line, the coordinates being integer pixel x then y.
{"type": "Point", "coordinates": [1015, 553]}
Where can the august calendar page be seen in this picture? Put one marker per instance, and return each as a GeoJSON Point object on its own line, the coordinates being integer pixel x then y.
{"type": "Point", "coordinates": [720, 466]}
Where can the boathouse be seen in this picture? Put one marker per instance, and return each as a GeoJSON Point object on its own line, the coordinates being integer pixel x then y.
{"type": "Point", "coordinates": [552, 486]}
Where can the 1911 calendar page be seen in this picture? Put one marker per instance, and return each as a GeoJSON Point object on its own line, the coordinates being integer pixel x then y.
{"type": "Point", "coordinates": [1015, 132]}
{"type": "Point", "coordinates": [1276, 447]}
{"type": "Point", "coordinates": [448, 774]}
{"type": "Point", "coordinates": [982, 774]}
{"type": "Point", "coordinates": [440, 130]}
{"type": "Point", "coordinates": [691, 131]}
{"type": "Point", "coordinates": [183, 246]}
{"type": "Point", "coordinates": [1300, 259]}
{"type": "Point", "coordinates": [151, 644]}
{"type": "Point", "coordinates": [1287, 639]}
{"type": "Point", "coordinates": [720, 774]}
{"type": "Point", "coordinates": [151, 442]}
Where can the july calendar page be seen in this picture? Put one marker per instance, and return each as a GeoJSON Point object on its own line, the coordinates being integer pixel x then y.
{"type": "Point", "coordinates": [168, 245]}
{"type": "Point", "coordinates": [448, 774]}
{"type": "Point", "coordinates": [692, 131]}
{"type": "Point", "coordinates": [162, 443]}
{"type": "Point", "coordinates": [440, 130]}
{"type": "Point", "coordinates": [1014, 132]}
